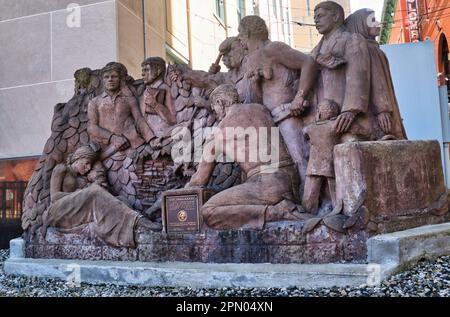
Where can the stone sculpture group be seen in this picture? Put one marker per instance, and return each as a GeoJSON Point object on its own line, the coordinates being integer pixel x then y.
{"type": "Point", "coordinates": [115, 146]}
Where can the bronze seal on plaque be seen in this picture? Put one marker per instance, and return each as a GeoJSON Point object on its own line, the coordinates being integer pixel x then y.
{"type": "Point", "coordinates": [182, 216]}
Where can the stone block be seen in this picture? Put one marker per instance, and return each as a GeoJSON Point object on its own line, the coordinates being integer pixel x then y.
{"type": "Point", "coordinates": [355, 247]}
{"type": "Point", "coordinates": [287, 254]}
{"type": "Point", "coordinates": [194, 275]}
{"type": "Point", "coordinates": [323, 253]}
{"type": "Point", "coordinates": [58, 238]}
{"type": "Point", "coordinates": [392, 179]}
{"type": "Point", "coordinates": [119, 254]}
{"type": "Point", "coordinates": [323, 234]}
{"type": "Point", "coordinates": [17, 248]}
{"type": "Point", "coordinates": [409, 246]}
{"type": "Point", "coordinates": [152, 252]}
{"type": "Point", "coordinates": [84, 252]}
{"type": "Point", "coordinates": [45, 251]}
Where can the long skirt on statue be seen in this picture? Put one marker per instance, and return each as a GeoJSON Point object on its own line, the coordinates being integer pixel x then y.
{"type": "Point", "coordinates": [109, 218]}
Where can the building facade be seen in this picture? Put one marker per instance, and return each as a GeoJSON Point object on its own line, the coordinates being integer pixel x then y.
{"type": "Point", "coordinates": [406, 21]}
{"type": "Point", "coordinates": [305, 34]}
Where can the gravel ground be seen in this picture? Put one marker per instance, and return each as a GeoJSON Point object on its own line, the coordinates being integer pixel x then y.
{"type": "Point", "coordinates": [428, 279]}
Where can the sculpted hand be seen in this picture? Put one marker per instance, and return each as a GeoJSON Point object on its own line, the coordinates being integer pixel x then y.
{"type": "Point", "coordinates": [174, 75]}
{"type": "Point", "coordinates": [156, 143]}
{"type": "Point", "coordinates": [384, 121]}
{"type": "Point", "coordinates": [119, 142]}
{"type": "Point", "coordinates": [344, 121]}
{"type": "Point", "coordinates": [299, 105]}
{"type": "Point", "coordinates": [214, 69]}
{"type": "Point", "coordinates": [200, 102]}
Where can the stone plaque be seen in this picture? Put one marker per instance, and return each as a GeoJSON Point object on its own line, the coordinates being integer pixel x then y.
{"type": "Point", "coordinates": [181, 209]}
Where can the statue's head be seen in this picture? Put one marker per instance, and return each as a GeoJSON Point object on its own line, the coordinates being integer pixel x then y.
{"type": "Point", "coordinates": [233, 52]}
{"type": "Point", "coordinates": [252, 27]}
{"type": "Point", "coordinates": [328, 16]}
{"type": "Point", "coordinates": [153, 68]}
{"type": "Point", "coordinates": [327, 109]}
{"type": "Point", "coordinates": [363, 22]}
{"type": "Point", "coordinates": [113, 75]}
{"type": "Point", "coordinates": [222, 98]}
{"type": "Point", "coordinates": [82, 160]}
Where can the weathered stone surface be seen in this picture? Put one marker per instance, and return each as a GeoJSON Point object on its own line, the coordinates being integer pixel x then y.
{"type": "Point", "coordinates": [398, 181]}
{"type": "Point", "coordinates": [17, 248]}
{"type": "Point", "coordinates": [194, 275]}
{"type": "Point", "coordinates": [409, 246]}
{"type": "Point", "coordinates": [119, 254]}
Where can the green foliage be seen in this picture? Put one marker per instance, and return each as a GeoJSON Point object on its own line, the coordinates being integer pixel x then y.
{"type": "Point", "coordinates": [387, 20]}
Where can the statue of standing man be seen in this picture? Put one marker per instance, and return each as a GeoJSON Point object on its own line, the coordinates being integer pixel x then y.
{"type": "Point", "coordinates": [116, 122]}
{"type": "Point", "coordinates": [273, 71]}
{"type": "Point", "coordinates": [344, 76]}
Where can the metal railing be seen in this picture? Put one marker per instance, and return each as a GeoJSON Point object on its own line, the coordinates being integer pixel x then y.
{"type": "Point", "coordinates": [11, 198]}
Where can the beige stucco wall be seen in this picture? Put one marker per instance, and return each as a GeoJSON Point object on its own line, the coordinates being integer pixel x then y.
{"type": "Point", "coordinates": [39, 54]}
{"type": "Point", "coordinates": [307, 37]}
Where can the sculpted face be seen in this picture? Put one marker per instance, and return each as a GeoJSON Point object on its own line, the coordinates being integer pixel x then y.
{"type": "Point", "coordinates": [111, 81]}
{"type": "Point", "coordinates": [243, 37]}
{"type": "Point", "coordinates": [233, 58]}
{"type": "Point", "coordinates": [325, 20]}
{"type": "Point", "coordinates": [82, 166]}
{"type": "Point", "coordinates": [236, 55]}
{"type": "Point", "coordinates": [374, 27]}
{"type": "Point", "coordinates": [226, 59]}
{"type": "Point", "coordinates": [150, 74]}
{"type": "Point", "coordinates": [218, 106]}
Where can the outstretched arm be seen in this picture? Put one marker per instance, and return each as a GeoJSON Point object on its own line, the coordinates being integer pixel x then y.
{"type": "Point", "coordinates": [206, 166]}
{"type": "Point", "coordinates": [203, 79]}
{"type": "Point", "coordinates": [56, 182]}
{"type": "Point", "coordinates": [281, 53]}
{"type": "Point", "coordinates": [167, 110]}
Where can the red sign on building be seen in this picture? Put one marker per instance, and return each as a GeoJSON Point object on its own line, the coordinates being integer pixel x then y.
{"type": "Point", "coordinates": [412, 10]}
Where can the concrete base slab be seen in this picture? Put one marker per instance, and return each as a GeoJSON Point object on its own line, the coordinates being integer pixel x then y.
{"type": "Point", "coordinates": [194, 275]}
{"type": "Point", "coordinates": [387, 254]}
{"type": "Point", "coordinates": [404, 249]}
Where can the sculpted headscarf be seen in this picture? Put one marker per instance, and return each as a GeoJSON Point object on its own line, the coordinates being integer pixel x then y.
{"type": "Point", "coordinates": [382, 98]}
{"type": "Point", "coordinates": [358, 22]}
{"type": "Point", "coordinates": [89, 151]}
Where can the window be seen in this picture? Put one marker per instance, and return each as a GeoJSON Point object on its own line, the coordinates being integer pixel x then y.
{"type": "Point", "coordinates": [256, 7]}
{"type": "Point", "coordinates": [11, 197]}
{"type": "Point", "coordinates": [220, 9]}
{"type": "Point", "coordinates": [240, 6]}
{"type": "Point", "coordinates": [177, 35]}
{"type": "Point", "coordinates": [275, 9]}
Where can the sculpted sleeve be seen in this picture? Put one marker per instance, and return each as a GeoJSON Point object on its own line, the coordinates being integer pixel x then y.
{"type": "Point", "coordinates": [381, 94]}
{"type": "Point", "coordinates": [357, 88]}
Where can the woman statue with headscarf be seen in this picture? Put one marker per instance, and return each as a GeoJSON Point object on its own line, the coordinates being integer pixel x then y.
{"type": "Point", "coordinates": [79, 202]}
{"type": "Point", "coordinates": [383, 103]}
